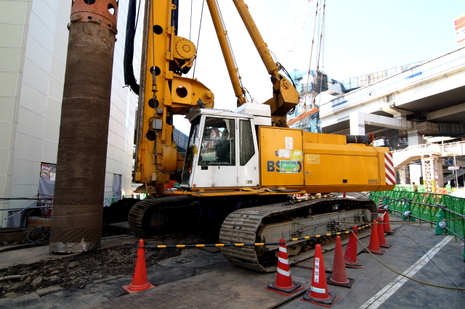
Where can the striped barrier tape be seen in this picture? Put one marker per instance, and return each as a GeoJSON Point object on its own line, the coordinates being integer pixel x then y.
{"type": "Point", "coordinates": [251, 244]}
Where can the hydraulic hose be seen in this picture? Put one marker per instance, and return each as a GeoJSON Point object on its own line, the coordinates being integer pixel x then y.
{"type": "Point", "coordinates": [128, 57]}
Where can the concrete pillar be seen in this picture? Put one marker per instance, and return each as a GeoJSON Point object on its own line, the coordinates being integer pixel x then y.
{"type": "Point", "coordinates": [403, 175]}
{"type": "Point", "coordinates": [439, 173]}
{"type": "Point", "coordinates": [413, 138]}
{"type": "Point", "coordinates": [82, 148]}
{"type": "Point", "coordinates": [357, 123]}
{"type": "Point", "coordinates": [415, 171]}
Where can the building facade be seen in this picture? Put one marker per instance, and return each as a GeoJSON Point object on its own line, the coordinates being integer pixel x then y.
{"type": "Point", "coordinates": [33, 48]}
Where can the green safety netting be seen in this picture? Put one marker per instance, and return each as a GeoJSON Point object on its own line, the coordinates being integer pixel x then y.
{"type": "Point", "coordinates": [444, 211]}
{"type": "Point", "coordinates": [423, 206]}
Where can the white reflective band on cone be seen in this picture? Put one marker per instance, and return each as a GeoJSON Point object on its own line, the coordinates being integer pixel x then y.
{"type": "Point", "coordinates": [284, 261]}
{"type": "Point", "coordinates": [283, 272]}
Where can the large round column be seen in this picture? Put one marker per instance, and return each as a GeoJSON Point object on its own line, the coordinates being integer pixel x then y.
{"type": "Point", "coordinates": [82, 149]}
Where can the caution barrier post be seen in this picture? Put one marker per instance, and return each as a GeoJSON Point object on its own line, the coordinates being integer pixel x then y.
{"type": "Point", "coordinates": [283, 284]}
{"type": "Point", "coordinates": [318, 293]}
{"type": "Point", "coordinates": [339, 275]}
{"type": "Point", "coordinates": [374, 240]}
{"type": "Point", "coordinates": [386, 223]}
{"type": "Point", "coordinates": [381, 236]}
{"type": "Point", "coordinates": [139, 280]}
{"type": "Point", "coordinates": [350, 255]}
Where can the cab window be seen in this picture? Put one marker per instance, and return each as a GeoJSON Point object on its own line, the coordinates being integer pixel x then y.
{"type": "Point", "coordinates": [217, 147]}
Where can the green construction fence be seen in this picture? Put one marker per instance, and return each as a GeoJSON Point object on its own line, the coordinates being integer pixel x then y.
{"type": "Point", "coordinates": [444, 212]}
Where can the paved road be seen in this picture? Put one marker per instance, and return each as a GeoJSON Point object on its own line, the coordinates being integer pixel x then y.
{"type": "Point", "coordinates": [201, 278]}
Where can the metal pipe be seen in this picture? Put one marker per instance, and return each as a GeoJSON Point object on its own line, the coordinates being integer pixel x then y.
{"type": "Point", "coordinates": [82, 148]}
{"type": "Point", "coordinates": [257, 38]}
{"type": "Point", "coordinates": [360, 139]}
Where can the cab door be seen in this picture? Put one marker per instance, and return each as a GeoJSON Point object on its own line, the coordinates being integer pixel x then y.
{"type": "Point", "coordinates": [216, 160]}
{"type": "Point", "coordinates": [226, 153]}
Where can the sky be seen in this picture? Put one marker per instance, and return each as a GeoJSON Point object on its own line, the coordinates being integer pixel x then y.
{"type": "Point", "coordinates": [359, 37]}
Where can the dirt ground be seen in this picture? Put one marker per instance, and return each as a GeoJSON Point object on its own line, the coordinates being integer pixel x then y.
{"type": "Point", "coordinates": [76, 271]}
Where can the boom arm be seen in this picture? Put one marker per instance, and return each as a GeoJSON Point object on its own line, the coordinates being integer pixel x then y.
{"type": "Point", "coordinates": [227, 54]}
{"type": "Point", "coordinates": [164, 93]}
{"type": "Point", "coordinates": [285, 96]}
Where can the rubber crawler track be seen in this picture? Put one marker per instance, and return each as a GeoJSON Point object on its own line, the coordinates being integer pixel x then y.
{"type": "Point", "coordinates": [139, 218]}
{"type": "Point", "coordinates": [242, 226]}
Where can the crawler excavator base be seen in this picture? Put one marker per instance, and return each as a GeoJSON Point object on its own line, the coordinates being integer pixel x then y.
{"type": "Point", "coordinates": [309, 221]}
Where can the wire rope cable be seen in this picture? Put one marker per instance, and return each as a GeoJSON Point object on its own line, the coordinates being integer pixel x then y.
{"type": "Point", "coordinates": [405, 276]}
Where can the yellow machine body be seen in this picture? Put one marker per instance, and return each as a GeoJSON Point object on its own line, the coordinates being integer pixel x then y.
{"type": "Point", "coordinates": [318, 163]}
{"type": "Point", "coordinates": [288, 158]}
{"type": "Point", "coordinates": [240, 167]}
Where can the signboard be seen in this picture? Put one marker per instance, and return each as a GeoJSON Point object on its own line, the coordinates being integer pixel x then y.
{"type": "Point", "coordinates": [460, 30]}
{"type": "Point", "coordinates": [453, 168]}
{"type": "Point", "coordinates": [289, 166]}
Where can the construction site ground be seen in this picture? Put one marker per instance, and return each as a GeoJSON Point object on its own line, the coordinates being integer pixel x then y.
{"type": "Point", "coordinates": [202, 278]}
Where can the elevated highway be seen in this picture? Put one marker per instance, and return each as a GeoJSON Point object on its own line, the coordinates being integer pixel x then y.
{"type": "Point", "coordinates": [426, 99]}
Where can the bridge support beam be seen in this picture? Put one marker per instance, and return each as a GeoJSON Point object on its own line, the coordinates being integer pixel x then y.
{"type": "Point", "coordinates": [358, 121]}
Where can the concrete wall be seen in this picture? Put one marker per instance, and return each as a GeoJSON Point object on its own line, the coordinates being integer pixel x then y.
{"type": "Point", "coordinates": [33, 46]}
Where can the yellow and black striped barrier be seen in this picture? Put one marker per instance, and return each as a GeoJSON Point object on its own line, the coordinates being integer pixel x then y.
{"type": "Point", "coordinates": [257, 244]}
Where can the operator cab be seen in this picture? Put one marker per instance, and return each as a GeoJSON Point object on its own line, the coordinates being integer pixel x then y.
{"type": "Point", "coordinates": [222, 150]}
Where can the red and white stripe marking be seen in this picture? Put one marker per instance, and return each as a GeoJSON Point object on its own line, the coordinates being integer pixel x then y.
{"type": "Point", "coordinates": [283, 262]}
{"type": "Point", "coordinates": [389, 169]}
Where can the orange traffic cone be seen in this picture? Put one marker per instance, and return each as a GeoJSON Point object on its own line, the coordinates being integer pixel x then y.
{"type": "Point", "coordinates": [374, 240]}
{"type": "Point", "coordinates": [381, 238]}
{"type": "Point", "coordinates": [283, 284]}
{"type": "Point", "coordinates": [380, 205]}
{"type": "Point", "coordinates": [339, 276]}
{"type": "Point", "coordinates": [318, 293]}
{"type": "Point", "coordinates": [350, 256]}
{"type": "Point", "coordinates": [387, 225]}
{"type": "Point", "coordinates": [139, 280]}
